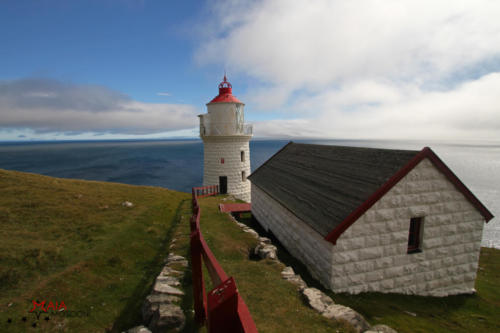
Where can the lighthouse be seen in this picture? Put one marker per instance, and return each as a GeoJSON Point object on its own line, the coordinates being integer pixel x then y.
{"type": "Point", "coordinates": [226, 147]}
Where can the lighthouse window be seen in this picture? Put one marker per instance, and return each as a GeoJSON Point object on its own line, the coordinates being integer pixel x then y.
{"type": "Point", "coordinates": [243, 176]}
{"type": "Point", "coordinates": [242, 156]}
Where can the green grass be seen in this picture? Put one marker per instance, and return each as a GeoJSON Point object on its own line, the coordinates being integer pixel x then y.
{"type": "Point", "coordinates": [275, 304]}
{"type": "Point", "coordinates": [463, 313]}
{"type": "Point", "coordinates": [73, 241]}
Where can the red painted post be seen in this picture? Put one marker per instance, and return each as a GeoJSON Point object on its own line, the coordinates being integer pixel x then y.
{"type": "Point", "coordinates": [199, 294]}
{"type": "Point", "coordinates": [223, 308]}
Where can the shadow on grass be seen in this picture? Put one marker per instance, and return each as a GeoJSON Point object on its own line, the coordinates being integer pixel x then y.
{"type": "Point", "coordinates": [131, 313]}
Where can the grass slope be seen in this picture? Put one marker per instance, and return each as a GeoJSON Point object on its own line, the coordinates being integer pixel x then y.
{"type": "Point", "coordinates": [73, 241]}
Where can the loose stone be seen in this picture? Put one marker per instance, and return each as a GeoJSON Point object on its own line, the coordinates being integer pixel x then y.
{"type": "Point", "coordinates": [169, 271]}
{"type": "Point", "coordinates": [381, 329]}
{"type": "Point", "coordinates": [163, 288]}
{"type": "Point", "coordinates": [287, 272]}
{"type": "Point", "coordinates": [168, 316]}
{"type": "Point", "coordinates": [337, 312]}
{"type": "Point", "coordinates": [138, 329]}
{"type": "Point", "coordinates": [317, 299]}
{"type": "Point", "coordinates": [170, 280]}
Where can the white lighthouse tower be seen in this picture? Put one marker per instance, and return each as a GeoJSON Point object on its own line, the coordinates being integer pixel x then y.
{"type": "Point", "coordinates": [226, 144]}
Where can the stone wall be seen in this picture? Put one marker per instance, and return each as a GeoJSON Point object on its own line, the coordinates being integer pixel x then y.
{"type": "Point", "coordinates": [229, 148]}
{"type": "Point", "coordinates": [372, 254]}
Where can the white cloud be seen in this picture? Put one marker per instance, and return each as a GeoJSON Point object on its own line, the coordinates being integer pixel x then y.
{"type": "Point", "coordinates": [52, 106]}
{"type": "Point", "coordinates": [164, 94]}
{"type": "Point", "coordinates": [377, 68]}
{"type": "Point", "coordinates": [470, 111]}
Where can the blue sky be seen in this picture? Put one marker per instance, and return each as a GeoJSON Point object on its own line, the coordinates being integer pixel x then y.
{"type": "Point", "coordinates": [329, 69]}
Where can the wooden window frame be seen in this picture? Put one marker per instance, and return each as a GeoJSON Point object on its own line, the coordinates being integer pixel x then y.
{"type": "Point", "coordinates": [415, 235]}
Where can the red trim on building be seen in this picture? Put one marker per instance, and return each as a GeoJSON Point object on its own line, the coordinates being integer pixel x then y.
{"type": "Point", "coordinates": [424, 153]}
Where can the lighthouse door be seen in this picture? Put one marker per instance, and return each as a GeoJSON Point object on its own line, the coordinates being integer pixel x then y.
{"type": "Point", "coordinates": [223, 184]}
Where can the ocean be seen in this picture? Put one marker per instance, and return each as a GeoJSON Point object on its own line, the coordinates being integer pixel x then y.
{"type": "Point", "coordinates": [178, 164]}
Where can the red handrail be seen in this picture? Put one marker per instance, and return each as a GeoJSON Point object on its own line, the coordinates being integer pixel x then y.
{"type": "Point", "coordinates": [223, 309]}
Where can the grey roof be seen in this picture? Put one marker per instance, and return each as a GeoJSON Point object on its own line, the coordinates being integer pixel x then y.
{"type": "Point", "coordinates": [322, 184]}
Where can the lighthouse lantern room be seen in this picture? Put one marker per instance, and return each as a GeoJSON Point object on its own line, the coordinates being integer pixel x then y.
{"type": "Point", "coordinates": [226, 144]}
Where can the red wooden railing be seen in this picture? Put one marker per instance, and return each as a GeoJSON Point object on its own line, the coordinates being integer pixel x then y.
{"type": "Point", "coordinates": [223, 309]}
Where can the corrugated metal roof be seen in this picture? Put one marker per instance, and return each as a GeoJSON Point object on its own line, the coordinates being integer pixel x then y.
{"type": "Point", "coordinates": [322, 184]}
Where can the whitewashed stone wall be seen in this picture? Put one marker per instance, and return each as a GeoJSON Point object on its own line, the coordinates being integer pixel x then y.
{"type": "Point", "coordinates": [297, 237]}
{"type": "Point", "coordinates": [371, 254]}
{"type": "Point", "coordinates": [229, 148]}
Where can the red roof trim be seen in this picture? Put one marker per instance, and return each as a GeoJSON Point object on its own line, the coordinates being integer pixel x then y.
{"type": "Point", "coordinates": [424, 153]}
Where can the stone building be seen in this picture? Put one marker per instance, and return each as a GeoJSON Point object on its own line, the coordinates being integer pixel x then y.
{"type": "Point", "coordinates": [226, 144]}
{"type": "Point", "coordinates": [372, 220]}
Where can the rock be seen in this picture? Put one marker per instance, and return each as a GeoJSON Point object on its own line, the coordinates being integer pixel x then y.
{"type": "Point", "coordinates": [183, 263]}
{"type": "Point", "coordinates": [174, 257]}
{"type": "Point", "coordinates": [264, 240]}
{"type": "Point", "coordinates": [287, 272]}
{"type": "Point", "coordinates": [170, 280]}
{"type": "Point", "coordinates": [241, 225]}
{"type": "Point", "coordinates": [251, 232]}
{"type": "Point", "coordinates": [297, 280]}
{"type": "Point", "coordinates": [161, 298]}
{"type": "Point", "coordinates": [163, 288]}
{"type": "Point", "coordinates": [266, 251]}
{"type": "Point", "coordinates": [167, 317]}
{"type": "Point", "coordinates": [152, 302]}
{"type": "Point", "coordinates": [127, 204]}
{"type": "Point", "coordinates": [169, 271]}
{"type": "Point", "coordinates": [317, 299]}
{"type": "Point", "coordinates": [340, 312]}
{"type": "Point", "coordinates": [381, 329]}
{"type": "Point", "coordinates": [138, 329]}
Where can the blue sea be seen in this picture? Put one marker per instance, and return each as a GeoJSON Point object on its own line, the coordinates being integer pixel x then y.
{"type": "Point", "coordinates": [178, 164]}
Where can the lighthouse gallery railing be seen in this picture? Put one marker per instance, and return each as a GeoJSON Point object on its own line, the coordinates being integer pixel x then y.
{"type": "Point", "coordinates": [223, 309]}
{"type": "Point", "coordinates": [226, 129]}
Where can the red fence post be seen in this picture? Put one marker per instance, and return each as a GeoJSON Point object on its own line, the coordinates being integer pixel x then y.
{"type": "Point", "coordinates": [223, 308]}
{"type": "Point", "coordinates": [199, 294]}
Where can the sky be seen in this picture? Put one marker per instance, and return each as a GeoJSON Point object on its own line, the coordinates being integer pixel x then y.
{"type": "Point", "coordinates": [143, 69]}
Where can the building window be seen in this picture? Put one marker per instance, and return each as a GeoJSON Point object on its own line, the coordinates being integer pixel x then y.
{"type": "Point", "coordinates": [242, 156]}
{"type": "Point", "coordinates": [222, 160]}
{"type": "Point", "coordinates": [415, 235]}
{"type": "Point", "coordinates": [243, 176]}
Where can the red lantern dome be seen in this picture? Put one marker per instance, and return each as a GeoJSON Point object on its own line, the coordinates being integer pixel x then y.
{"type": "Point", "coordinates": [225, 93]}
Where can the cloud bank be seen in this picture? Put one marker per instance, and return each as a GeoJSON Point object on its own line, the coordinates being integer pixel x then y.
{"type": "Point", "coordinates": [45, 105]}
{"type": "Point", "coordinates": [391, 69]}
